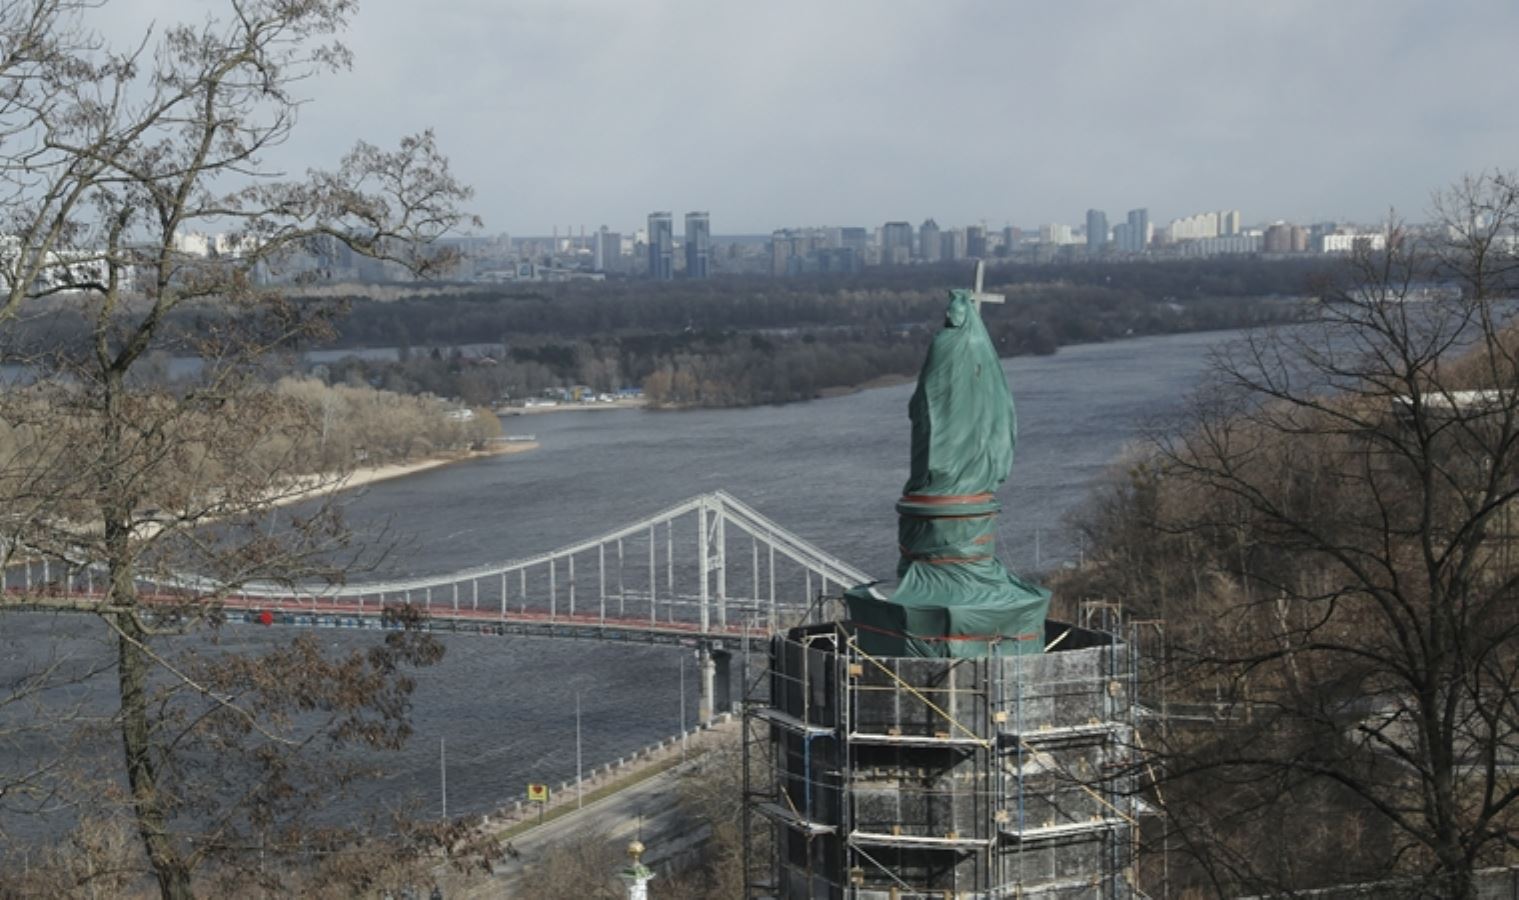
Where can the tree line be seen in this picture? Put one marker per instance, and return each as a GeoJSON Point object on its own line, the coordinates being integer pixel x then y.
{"type": "Point", "coordinates": [738, 367]}
{"type": "Point", "coordinates": [882, 297]}
{"type": "Point", "coordinates": [1326, 536]}
{"type": "Point", "coordinates": [727, 342]}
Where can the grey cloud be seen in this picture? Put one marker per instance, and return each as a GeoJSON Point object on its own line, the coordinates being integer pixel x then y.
{"type": "Point", "coordinates": [791, 112]}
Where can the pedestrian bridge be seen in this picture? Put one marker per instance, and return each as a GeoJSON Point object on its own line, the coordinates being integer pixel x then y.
{"type": "Point", "coordinates": [709, 567]}
{"type": "Point", "coordinates": [710, 573]}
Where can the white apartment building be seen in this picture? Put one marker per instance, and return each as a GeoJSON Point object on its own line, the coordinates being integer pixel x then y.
{"type": "Point", "coordinates": [1229, 245]}
{"type": "Point", "coordinates": [1346, 243]}
{"type": "Point", "coordinates": [1055, 234]}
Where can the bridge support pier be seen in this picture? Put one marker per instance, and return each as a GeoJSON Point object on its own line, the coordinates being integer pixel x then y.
{"type": "Point", "coordinates": [716, 682]}
{"type": "Point", "coordinates": [704, 711]}
{"type": "Point", "coordinates": [724, 693]}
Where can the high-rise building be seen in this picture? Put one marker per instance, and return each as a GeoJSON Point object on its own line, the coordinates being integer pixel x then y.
{"type": "Point", "coordinates": [661, 246]}
{"type": "Point", "coordinates": [698, 245]}
{"type": "Point", "coordinates": [1228, 223]}
{"type": "Point", "coordinates": [896, 243]}
{"type": "Point", "coordinates": [928, 241]}
{"type": "Point", "coordinates": [1010, 238]}
{"type": "Point", "coordinates": [1138, 232]}
{"type": "Point", "coordinates": [1121, 239]}
{"type": "Point", "coordinates": [780, 252]}
{"type": "Point", "coordinates": [1097, 230]}
{"type": "Point", "coordinates": [857, 239]}
{"type": "Point", "coordinates": [975, 242]}
{"type": "Point", "coordinates": [1278, 239]}
{"type": "Point", "coordinates": [606, 250]}
{"type": "Point", "coordinates": [953, 244]}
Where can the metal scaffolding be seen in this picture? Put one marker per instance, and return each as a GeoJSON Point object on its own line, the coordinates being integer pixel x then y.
{"type": "Point", "coordinates": [1007, 776]}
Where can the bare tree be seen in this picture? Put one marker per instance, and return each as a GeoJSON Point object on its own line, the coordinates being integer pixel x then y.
{"type": "Point", "coordinates": [707, 798]}
{"type": "Point", "coordinates": [113, 164]}
{"type": "Point", "coordinates": [95, 860]}
{"type": "Point", "coordinates": [583, 867]}
{"type": "Point", "coordinates": [1329, 535]}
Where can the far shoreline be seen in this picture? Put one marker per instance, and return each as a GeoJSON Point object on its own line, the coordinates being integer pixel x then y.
{"type": "Point", "coordinates": [326, 484]}
{"type": "Point", "coordinates": [893, 379]}
{"type": "Point", "coordinates": [887, 380]}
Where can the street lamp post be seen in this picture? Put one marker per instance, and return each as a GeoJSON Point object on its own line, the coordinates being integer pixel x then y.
{"type": "Point", "coordinates": [579, 775]}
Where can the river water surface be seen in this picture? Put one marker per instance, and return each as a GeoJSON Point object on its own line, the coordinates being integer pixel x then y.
{"type": "Point", "coordinates": [829, 470]}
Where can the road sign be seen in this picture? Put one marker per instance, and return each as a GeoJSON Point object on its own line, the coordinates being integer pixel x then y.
{"type": "Point", "coordinates": [538, 793]}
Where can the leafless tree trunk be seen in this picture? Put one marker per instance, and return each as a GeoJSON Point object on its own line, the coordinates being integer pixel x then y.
{"type": "Point", "coordinates": [112, 160]}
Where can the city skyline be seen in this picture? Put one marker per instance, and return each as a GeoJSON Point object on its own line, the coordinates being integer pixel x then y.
{"type": "Point", "coordinates": [656, 253]}
{"type": "Point", "coordinates": [1078, 221]}
{"type": "Point", "coordinates": [789, 112]}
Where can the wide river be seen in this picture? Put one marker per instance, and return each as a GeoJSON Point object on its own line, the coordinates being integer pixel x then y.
{"type": "Point", "coordinates": [829, 470]}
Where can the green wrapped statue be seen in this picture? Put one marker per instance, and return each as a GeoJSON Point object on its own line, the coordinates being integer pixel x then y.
{"type": "Point", "coordinates": [952, 597]}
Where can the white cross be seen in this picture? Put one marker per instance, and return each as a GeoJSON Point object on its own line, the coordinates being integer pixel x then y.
{"type": "Point", "coordinates": [979, 295]}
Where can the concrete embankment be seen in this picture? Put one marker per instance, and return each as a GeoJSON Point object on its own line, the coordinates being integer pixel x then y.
{"type": "Point", "coordinates": [634, 796]}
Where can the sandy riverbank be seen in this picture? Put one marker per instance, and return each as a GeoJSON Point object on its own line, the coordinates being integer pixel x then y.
{"type": "Point", "coordinates": [843, 390]}
{"type": "Point", "coordinates": [570, 407]}
{"type": "Point", "coordinates": [314, 486]}
{"type": "Point", "coordinates": [880, 381]}
{"type": "Point", "coordinates": [310, 487]}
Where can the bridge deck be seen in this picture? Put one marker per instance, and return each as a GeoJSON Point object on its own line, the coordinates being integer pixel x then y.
{"type": "Point", "coordinates": [492, 622]}
{"type": "Point", "coordinates": [345, 613]}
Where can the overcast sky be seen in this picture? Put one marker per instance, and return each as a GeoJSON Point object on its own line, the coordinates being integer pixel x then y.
{"type": "Point", "coordinates": [771, 113]}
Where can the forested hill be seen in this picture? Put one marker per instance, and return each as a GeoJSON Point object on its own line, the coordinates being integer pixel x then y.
{"type": "Point", "coordinates": [744, 341]}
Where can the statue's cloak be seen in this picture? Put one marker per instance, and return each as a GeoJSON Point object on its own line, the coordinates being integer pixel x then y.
{"type": "Point", "coordinates": [953, 598]}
